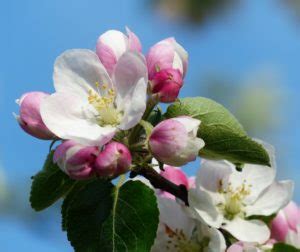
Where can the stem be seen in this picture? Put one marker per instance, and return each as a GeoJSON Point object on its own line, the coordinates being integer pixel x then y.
{"type": "Point", "coordinates": [162, 183]}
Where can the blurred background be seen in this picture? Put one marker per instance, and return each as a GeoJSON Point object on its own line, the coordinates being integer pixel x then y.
{"type": "Point", "coordinates": [244, 54]}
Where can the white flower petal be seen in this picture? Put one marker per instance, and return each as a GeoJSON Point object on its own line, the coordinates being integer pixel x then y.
{"type": "Point", "coordinates": [203, 208]}
{"type": "Point", "coordinates": [116, 40]}
{"type": "Point", "coordinates": [275, 197]}
{"type": "Point", "coordinates": [173, 215]}
{"type": "Point", "coordinates": [130, 79]}
{"type": "Point", "coordinates": [63, 115]}
{"type": "Point", "coordinates": [191, 125]}
{"type": "Point", "coordinates": [248, 230]}
{"type": "Point", "coordinates": [213, 175]}
{"type": "Point", "coordinates": [78, 71]}
{"type": "Point", "coordinates": [177, 62]}
{"type": "Point", "coordinates": [293, 238]}
{"type": "Point", "coordinates": [217, 241]}
{"type": "Point", "coordinates": [135, 107]}
{"type": "Point", "coordinates": [258, 177]}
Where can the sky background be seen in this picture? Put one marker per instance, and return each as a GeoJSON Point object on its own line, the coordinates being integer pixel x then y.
{"type": "Point", "coordinates": [246, 57]}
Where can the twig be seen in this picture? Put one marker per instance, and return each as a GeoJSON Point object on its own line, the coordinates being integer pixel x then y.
{"type": "Point", "coordinates": [162, 183]}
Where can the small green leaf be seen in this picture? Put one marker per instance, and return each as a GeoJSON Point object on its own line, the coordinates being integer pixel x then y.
{"type": "Point", "coordinates": [281, 247]}
{"type": "Point", "coordinates": [49, 185]}
{"type": "Point", "coordinates": [103, 217]}
{"type": "Point", "coordinates": [223, 135]}
{"type": "Point", "coordinates": [155, 116]}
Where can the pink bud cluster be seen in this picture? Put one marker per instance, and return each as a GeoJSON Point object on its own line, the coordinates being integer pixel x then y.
{"type": "Point", "coordinates": [173, 141]}
{"type": "Point", "coordinates": [84, 162]}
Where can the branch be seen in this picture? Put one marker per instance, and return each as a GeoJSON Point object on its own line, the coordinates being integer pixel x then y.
{"type": "Point", "coordinates": [162, 183]}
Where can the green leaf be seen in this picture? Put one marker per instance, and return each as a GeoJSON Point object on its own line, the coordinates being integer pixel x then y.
{"type": "Point", "coordinates": [281, 247]}
{"type": "Point", "coordinates": [67, 201]}
{"type": "Point", "coordinates": [133, 223]}
{"type": "Point", "coordinates": [85, 211]}
{"type": "Point", "coordinates": [49, 185]}
{"type": "Point", "coordinates": [103, 217]}
{"type": "Point", "coordinates": [223, 135]}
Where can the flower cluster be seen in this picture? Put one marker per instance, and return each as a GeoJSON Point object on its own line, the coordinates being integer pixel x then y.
{"type": "Point", "coordinates": [105, 93]}
{"type": "Point", "coordinates": [225, 202]}
{"type": "Point", "coordinates": [106, 117]}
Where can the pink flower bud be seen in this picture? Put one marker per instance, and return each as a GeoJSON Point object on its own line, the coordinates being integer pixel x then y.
{"type": "Point", "coordinates": [166, 84]}
{"type": "Point", "coordinates": [75, 159]}
{"type": "Point", "coordinates": [114, 160]}
{"type": "Point", "coordinates": [175, 142]}
{"type": "Point", "coordinates": [112, 44]}
{"type": "Point", "coordinates": [287, 219]}
{"type": "Point", "coordinates": [167, 54]}
{"type": "Point", "coordinates": [30, 118]}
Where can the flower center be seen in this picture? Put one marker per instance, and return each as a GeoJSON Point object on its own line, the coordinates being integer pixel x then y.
{"type": "Point", "coordinates": [234, 198]}
{"type": "Point", "coordinates": [178, 242]}
{"type": "Point", "coordinates": [104, 103]}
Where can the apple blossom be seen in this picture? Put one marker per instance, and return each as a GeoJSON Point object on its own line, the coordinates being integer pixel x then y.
{"type": "Point", "coordinates": [89, 106]}
{"type": "Point", "coordinates": [75, 159]}
{"type": "Point", "coordinates": [167, 65]}
{"type": "Point", "coordinates": [175, 142]}
{"type": "Point", "coordinates": [286, 220]}
{"type": "Point", "coordinates": [114, 160]}
{"type": "Point", "coordinates": [226, 198]}
{"type": "Point", "coordinates": [178, 232]}
{"type": "Point", "coordinates": [30, 118]}
{"type": "Point", "coordinates": [112, 44]}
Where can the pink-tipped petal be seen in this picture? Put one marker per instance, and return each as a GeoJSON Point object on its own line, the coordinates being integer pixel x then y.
{"type": "Point", "coordinates": [61, 150]}
{"type": "Point", "coordinates": [133, 41]}
{"type": "Point", "coordinates": [292, 214]}
{"type": "Point", "coordinates": [160, 57]}
{"type": "Point", "coordinates": [279, 227]}
{"type": "Point", "coordinates": [106, 56]}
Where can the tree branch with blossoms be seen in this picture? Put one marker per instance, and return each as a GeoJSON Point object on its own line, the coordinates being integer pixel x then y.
{"type": "Point", "coordinates": [105, 121]}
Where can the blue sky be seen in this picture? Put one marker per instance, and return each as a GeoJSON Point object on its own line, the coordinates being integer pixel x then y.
{"type": "Point", "coordinates": [252, 35]}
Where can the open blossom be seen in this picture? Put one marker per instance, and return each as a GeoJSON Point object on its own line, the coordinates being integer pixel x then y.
{"type": "Point", "coordinates": [114, 160]}
{"type": "Point", "coordinates": [178, 177]}
{"type": "Point", "coordinates": [167, 65]}
{"type": "Point", "coordinates": [112, 44]}
{"type": "Point", "coordinates": [30, 118]}
{"type": "Point", "coordinates": [286, 220]}
{"type": "Point", "coordinates": [178, 232]}
{"type": "Point", "coordinates": [75, 159]}
{"type": "Point", "coordinates": [225, 198]}
{"type": "Point", "coordinates": [89, 106]}
{"type": "Point", "coordinates": [175, 142]}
